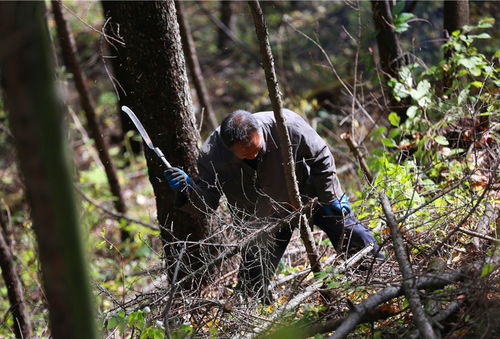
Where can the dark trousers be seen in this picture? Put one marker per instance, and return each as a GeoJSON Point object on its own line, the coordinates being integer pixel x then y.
{"type": "Point", "coordinates": [259, 261]}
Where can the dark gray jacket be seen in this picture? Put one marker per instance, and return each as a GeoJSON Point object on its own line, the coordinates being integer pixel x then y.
{"type": "Point", "coordinates": [260, 192]}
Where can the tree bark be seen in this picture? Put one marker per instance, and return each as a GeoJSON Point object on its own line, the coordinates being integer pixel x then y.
{"type": "Point", "coordinates": [35, 117]}
{"type": "Point", "coordinates": [194, 67]}
{"type": "Point", "coordinates": [284, 138]}
{"type": "Point", "coordinates": [118, 56]}
{"type": "Point", "coordinates": [6, 226]}
{"type": "Point", "coordinates": [157, 71]}
{"type": "Point", "coordinates": [20, 315]}
{"type": "Point", "coordinates": [229, 20]}
{"type": "Point", "coordinates": [456, 15]}
{"type": "Point", "coordinates": [389, 49]}
{"type": "Point", "coordinates": [70, 59]}
{"type": "Point", "coordinates": [409, 280]}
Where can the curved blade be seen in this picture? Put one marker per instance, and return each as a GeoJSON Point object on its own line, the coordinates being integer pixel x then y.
{"type": "Point", "coordinates": [145, 135]}
{"type": "Point", "coordinates": [139, 126]}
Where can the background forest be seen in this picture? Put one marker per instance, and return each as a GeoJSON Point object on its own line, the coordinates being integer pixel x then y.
{"type": "Point", "coordinates": [406, 93]}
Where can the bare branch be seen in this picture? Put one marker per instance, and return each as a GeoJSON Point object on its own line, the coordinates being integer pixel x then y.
{"type": "Point", "coordinates": [284, 138]}
{"type": "Point", "coordinates": [115, 214]}
{"type": "Point", "coordinates": [422, 321]}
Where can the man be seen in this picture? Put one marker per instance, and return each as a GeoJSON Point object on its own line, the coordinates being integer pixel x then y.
{"type": "Point", "coordinates": [241, 159]}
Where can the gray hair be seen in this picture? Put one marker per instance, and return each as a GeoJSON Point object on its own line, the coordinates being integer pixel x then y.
{"type": "Point", "coordinates": [237, 127]}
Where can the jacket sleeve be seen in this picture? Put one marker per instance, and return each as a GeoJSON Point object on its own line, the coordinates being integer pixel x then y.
{"type": "Point", "coordinates": [315, 152]}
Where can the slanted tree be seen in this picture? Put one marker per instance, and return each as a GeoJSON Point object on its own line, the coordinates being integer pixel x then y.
{"type": "Point", "coordinates": [69, 53]}
{"type": "Point", "coordinates": [284, 137]}
{"type": "Point", "coordinates": [36, 120]}
{"type": "Point", "coordinates": [162, 102]}
{"type": "Point", "coordinates": [194, 67]}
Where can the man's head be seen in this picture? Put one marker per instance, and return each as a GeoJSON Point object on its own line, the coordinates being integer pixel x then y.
{"type": "Point", "coordinates": [240, 133]}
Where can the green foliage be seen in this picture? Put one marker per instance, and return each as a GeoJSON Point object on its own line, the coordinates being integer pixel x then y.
{"type": "Point", "coordinates": [145, 328]}
{"type": "Point", "coordinates": [487, 269]}
{"type": "Point", "coordinates": [420, 158]}
{"type": "Point", "coordinates": [401, 21]}
{"type": "Point", "coordinates": [464, 72]}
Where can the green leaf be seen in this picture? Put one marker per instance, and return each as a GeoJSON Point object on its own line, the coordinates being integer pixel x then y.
{"type": "Point", "coordinates": [472, 64]}
{"type": "Point", "coordinates": [400, 91]}
{"type": "Point", "coordinates": [401, 22]}
{"type": "Point", "coordinates": [137, 319]}
{"type": "Point", "coordinates": [389, 142]}
{"type": "Point", "coordinates": [477, 84]}
{"type": "Point", "coordinates": [393, 133]}
{"type": "Point", "coordinates": [406, 16]}
{"type": "Point", "coordinates": [333, 284]}
{"type": "Point", "coordinates": [481, 36]}
{"type": "Point", "coordinates": [394, 119]}
{"type": "Point", "coordinates": [462, 97]}
{"type": "Point", "coordinates": [441, 140]}
{"type": "Point", "coordinates": [487, 269]}
{"type": "Point", "coordinates": [402, 27]}
{"type": "Point", "coordinates": [486, 23]}
{"type": "Point", "coordinates": [411, 112]}
{"type": "Point", "coordinates": [405, 76]}
{"type": "Point", "coordinates": [421, 93]}
{"type": "Point", "coordinates": [378, 133]}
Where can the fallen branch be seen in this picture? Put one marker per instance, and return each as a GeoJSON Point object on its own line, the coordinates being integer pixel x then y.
{"type": "Point", "coordinates": [448, 311]}
{"type": "Point", "coordinates": [422, 321]}
{"type": "Point", "coordinates": [427, 282]}
{"type": "Point", "coordinates": [478, 235]}
{"type": "Point", "coordinates": [300, 273]}
{"type": "Point", "coordinates": [314, 287]}
{"type": "Point", "coordinates": [483, 225]}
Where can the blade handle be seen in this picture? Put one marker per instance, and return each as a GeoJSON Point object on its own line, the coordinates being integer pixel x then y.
{"type": "Point", "coordinates": [160, 154]}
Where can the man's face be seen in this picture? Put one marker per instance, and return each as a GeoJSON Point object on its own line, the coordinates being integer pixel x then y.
{"type": "Point", "coordinates": [248, 150]}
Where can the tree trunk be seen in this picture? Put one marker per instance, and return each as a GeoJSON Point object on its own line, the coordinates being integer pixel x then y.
{"type": "Point", "coordinates": [229, 20]}
{"type": "Point", "coordinates": [157, 71]}
{"type": "Point", "coordinates": [20, 315]}
{"type": "Point", "coordinates": [389, 49]}
{"type": "Point", "coordinates": [6, 226]}
{"type": "Point", "coordinates": [456, 15]}
{"type": "Point", "coordinates": [70, 59]}
{"type": "Point", "coordinates": [195, 69]}
{"type": "Point", "coordinates": [284, 138]}
{"type": "Point", "coordinates": [230, 34]}
{"type": "Point", "coordinates": [118, 56]}
{"type": "Point", "coordinates": [36, 117]}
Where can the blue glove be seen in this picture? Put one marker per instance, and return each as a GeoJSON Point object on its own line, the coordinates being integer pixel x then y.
{"type": "Point", "coordinates": [177, 179]}
{"type": "Point", "coordinates": [336, 207]}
